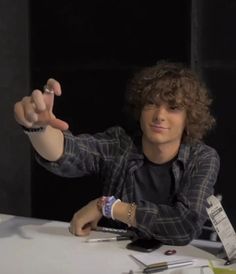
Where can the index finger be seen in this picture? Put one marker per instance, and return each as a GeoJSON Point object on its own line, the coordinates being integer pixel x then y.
{"type": "Point", "coordinates": [54, 85]}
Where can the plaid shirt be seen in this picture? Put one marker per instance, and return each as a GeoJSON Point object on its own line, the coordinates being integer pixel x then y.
{"type": "Point", "coordinates": [114, 156]}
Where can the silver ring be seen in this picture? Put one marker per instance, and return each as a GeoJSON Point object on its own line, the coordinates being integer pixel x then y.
{"type": "Point", "coordinates": [47, 90]}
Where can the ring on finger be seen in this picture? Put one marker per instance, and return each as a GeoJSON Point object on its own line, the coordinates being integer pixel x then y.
{"type": "Point", "coordinates": [47, 90]}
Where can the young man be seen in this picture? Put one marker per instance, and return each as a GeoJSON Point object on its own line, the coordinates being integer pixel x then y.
{"type": "Point", "coordinates": [156, 183]}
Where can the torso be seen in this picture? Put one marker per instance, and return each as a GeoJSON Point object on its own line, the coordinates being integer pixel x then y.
{"type": "Point", "coordinates": [154, 182]}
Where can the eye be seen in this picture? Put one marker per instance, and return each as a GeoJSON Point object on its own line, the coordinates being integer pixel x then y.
{"type": "Point", "coordinates": [176, 108]}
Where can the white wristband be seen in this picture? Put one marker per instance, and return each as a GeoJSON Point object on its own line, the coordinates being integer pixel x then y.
{"type": "Point", "coordinates": [116, 201]}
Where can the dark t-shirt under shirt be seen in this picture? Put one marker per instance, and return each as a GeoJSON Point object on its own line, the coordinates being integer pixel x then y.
{"type": "Point", "coordinates": [154, 182]}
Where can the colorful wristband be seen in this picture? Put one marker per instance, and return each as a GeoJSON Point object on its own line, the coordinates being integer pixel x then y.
{"type": "Point", "coordinates": [105, 204]}
{"type": "Point", "coordinates": [106, 208]}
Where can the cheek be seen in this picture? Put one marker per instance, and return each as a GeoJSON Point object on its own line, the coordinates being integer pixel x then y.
{"type": "Point", "coordinates": [144, 120]}
{"type": "Point", "coordinates": [182, 125]}
{"type": "Point", "coordinates": [141, 121]}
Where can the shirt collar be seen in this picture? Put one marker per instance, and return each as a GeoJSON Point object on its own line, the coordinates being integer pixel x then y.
{"type": "Point", "coordinates": [184, 153]}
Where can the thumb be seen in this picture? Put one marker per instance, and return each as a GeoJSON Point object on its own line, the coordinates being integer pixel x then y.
{"type": "Point", "coordinates": [58, 124]}
{"type": "Point", "coordinates": [85, 230]}
{"type": "Point", "coordinates": [94, 224]}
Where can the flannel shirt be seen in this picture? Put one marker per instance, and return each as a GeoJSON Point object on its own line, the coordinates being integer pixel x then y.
{"type": "Point", "coordinates": [114, 156]}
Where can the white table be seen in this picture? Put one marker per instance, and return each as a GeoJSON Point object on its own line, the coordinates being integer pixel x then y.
{"type": "Point", "coordinates": [35, 246]}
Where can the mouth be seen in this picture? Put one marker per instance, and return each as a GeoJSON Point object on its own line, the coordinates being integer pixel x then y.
{"type": "Point", "coordinates": [159, 128]}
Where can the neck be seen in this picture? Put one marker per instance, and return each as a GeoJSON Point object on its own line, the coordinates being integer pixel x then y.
{"type": "Point", "coordinates": [160, 154]}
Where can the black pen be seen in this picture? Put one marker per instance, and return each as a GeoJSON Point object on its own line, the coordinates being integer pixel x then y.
{"type": "Point", "coordinates": [110, 229]}
{"type": "Point", "coordinates": [108, 239]}
{"type": "Point", "coordinates": [152, 268]}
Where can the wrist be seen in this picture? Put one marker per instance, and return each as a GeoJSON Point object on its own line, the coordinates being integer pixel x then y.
{"type": "Point", "coordinates": [106, 204]}
{"type": "Point", "coordinates": [33, 130]}
{"type": "Point", "coordinates": [126, 213]}
{"type": "Point", "coordinates": [131, 214]}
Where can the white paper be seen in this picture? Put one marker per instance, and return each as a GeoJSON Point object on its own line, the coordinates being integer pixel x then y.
{"type": "Point", "coordinates": [199, 266]}
{"type": "Point", "coordinates": [157, 256]}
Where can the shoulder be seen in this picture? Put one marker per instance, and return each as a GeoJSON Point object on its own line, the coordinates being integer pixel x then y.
{"type": "Point", "coordinates": [202, 152]}
{"type": "Point", "coordinates": [113, 133]}
{"type": "Point", "coordinates": [116, 131]}
{"type": "Point", "coordinates": [113, 136]}
{"type": "Point", "coordinates": [198, 152]}
{"type": "Point", "coordinates": [116, 134]}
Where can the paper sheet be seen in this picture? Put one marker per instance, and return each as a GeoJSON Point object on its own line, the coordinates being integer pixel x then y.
{"type": "Point", "coordinates": [158, 256]}
{"type": "Point", "coordinates": [215, 266]}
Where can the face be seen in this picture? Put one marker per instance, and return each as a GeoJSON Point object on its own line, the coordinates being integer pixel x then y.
{"type": "Point", "coordinates": [162, 125]}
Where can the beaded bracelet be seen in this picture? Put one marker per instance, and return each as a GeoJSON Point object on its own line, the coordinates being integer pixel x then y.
{"type": "Point", "coordinates": [33, 130]}
{"type": "Point", "coordinates": [130, 214]}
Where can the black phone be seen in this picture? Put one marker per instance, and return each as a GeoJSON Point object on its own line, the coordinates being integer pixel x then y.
{"type": "Point", "coordinates": [144, 245]}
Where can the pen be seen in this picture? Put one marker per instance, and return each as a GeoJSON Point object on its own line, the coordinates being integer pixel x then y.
{"type": "Point", "coordinates": [108, 239]}
{"type": "Point", "coordinates": [109, 229]}
{"type": "Point", "coordinates": [151, 268]}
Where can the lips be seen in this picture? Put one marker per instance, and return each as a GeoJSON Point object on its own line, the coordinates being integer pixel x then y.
{"type": "Point", "coordinates": [158, 128]}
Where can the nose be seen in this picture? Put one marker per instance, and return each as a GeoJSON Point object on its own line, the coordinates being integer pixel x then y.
{"type": "Point", "coordinates": [159, 114]}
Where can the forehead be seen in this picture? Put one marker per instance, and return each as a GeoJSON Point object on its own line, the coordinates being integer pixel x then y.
{"type": "Point", "coordinates": [165, 98]}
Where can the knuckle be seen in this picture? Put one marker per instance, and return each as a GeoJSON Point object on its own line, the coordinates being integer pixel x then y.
{"type": "Point", "coordinates": [35, 92]}
{"type": "Point", "coordinates": [30, 116]}
{"type": "Point", "coordinates": [25, 99]}
{"type": "Point", "coordinates": [77, 230]}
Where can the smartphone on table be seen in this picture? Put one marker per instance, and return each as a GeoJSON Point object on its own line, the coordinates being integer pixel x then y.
{"type": "Point", "coordinates": [144, 245]}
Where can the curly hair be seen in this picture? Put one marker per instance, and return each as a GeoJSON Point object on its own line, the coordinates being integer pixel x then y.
{"type": "Point", "coordinates": [175, 85]}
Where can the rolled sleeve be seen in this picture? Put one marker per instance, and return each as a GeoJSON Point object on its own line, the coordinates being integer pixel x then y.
{"type": "Point", "coordinates": [88, 154]}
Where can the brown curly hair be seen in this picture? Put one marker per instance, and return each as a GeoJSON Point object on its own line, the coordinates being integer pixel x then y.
{"type": "Point", "coordinates": [178, 86]}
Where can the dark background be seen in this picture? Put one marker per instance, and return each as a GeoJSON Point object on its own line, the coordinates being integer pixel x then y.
{"type": "Point", "coordinates": [92, 48]}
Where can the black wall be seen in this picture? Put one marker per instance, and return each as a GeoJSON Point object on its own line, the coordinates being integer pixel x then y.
{"type": "Point", "coordinates": [15, 179]}
{"type": "Point", "coordinates": [214, 56]}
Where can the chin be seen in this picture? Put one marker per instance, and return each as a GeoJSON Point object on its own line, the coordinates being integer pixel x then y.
{"type": "Point", "coordinates": [156, 141]}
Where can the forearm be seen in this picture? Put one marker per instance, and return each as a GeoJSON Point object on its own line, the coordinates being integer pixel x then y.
{"type": "Point", "coordinates": [176, 224]}
{"type": "Point", "coordinates": [125, 213]}
{"type": "Point", "coordinates": [169, 233]}
{"type": "Point", "coordinates": [49, 143]}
